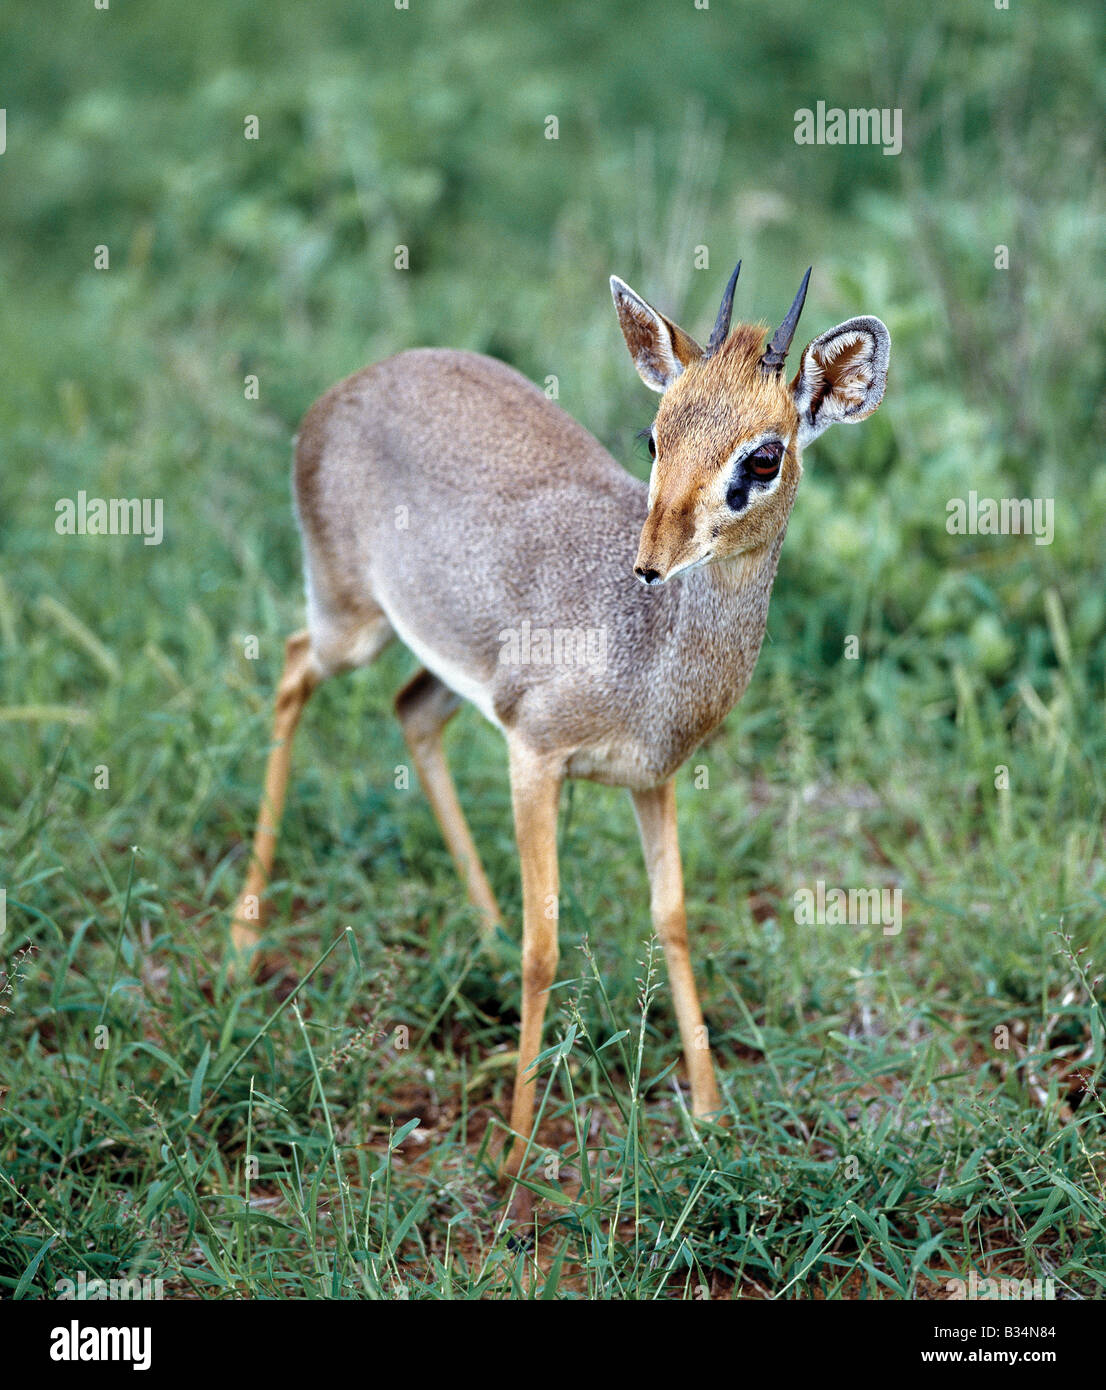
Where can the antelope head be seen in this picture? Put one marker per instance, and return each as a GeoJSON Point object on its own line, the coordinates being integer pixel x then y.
{"type": "Point", "coordinates": [730, 429]}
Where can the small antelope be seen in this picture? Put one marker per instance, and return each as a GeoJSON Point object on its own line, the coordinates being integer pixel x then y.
{"type": "Point", "coordinates": [444, 500]}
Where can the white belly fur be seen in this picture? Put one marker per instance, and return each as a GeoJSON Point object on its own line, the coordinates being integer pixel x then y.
{"type": "Point", "coordinates": [448, 672]}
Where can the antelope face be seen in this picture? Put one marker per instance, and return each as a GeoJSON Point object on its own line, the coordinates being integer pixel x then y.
{"type": "Point", "coordinates": [727, 440]}
{"type": "Point", "coordinates": [726, 462]}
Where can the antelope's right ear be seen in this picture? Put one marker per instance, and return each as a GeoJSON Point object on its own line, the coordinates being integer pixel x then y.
{"type": "Point", "coordinates": [660, 349]}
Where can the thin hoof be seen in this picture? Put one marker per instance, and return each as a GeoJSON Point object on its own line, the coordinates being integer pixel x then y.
{"type": "Point", "coordinates": [520, 1207]}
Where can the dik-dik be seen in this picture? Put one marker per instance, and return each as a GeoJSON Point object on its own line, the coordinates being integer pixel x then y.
{"type": "Point", "coordinates": [444, 500]}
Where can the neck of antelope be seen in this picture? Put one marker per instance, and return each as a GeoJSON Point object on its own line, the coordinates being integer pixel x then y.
{"type": "Point", "coordinates": [720, 622]}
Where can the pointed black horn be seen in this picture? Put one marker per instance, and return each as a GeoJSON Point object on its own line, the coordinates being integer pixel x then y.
{"type": "Point", "coordinates": [722, 322]}
{"type": "Point", "coordinates": [776, 352]}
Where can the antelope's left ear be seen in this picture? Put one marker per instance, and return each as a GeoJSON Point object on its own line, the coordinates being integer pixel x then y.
{"type": "Point", "coordinates": [841, 376]}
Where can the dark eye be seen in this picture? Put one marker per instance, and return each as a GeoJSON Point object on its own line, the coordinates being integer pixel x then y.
{"type": "Point", "coordinates": [652, 446]}
{"type": "Point", "coordinates": [765, 461]}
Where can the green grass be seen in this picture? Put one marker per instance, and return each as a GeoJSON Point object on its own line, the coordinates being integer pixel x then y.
{"type": "Point", "coordinates": [902, 1110]}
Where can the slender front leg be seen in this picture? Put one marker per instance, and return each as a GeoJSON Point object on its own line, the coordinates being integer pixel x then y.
{"type": "Point", "coordinates": [535, 792]}
{"type": "Point", "coordinates": [298, 680]}
{"type": "Point", "coordinates": [656, 817]}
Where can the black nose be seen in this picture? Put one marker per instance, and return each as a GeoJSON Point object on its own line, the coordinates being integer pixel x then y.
{"type": "Point", "coordinates": [647, 576]}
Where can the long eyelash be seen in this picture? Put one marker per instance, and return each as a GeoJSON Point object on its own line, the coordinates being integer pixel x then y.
{"type": "Point", "coordinates": [645, 433]}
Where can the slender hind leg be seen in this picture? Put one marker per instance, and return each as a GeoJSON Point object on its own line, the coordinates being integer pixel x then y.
{"type": "Point", "coordinates": [425, 705]}
{"type": "Point", "coordinates": [305, 665]}
{"type": "Point", "coordinates": [300, 677]}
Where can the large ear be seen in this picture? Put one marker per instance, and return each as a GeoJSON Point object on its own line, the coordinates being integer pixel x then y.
{"type": "Point", "coordinates": [660, 349]}
{"type": "Point", "coordinates": [841, 376]}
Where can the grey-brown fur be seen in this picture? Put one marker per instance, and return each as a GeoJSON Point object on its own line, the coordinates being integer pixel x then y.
{"type": "Point", "coordinates": [514, 512]}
